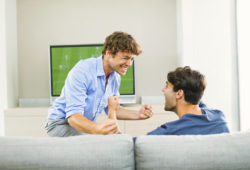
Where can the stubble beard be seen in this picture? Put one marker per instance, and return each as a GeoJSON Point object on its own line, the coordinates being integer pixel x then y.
{"type": "Point", "coordinates": [166, 108]}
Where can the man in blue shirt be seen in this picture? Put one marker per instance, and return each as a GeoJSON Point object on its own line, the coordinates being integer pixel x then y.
{"type": "Point", "coordinates": [183, 91]}
{"type": "Point", "coordinates": [91, 87]}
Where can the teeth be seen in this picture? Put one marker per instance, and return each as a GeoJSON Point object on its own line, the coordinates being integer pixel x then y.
{"type": "Point", "coordinates": [124, 66]}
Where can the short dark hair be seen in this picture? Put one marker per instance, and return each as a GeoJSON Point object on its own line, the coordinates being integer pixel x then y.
{"type": "Point", "coordinates": [121, 41]}
{"type": "Point", "coordinates": [192, 82]}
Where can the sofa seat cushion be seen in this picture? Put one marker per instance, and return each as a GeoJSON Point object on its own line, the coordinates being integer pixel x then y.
{"type": "Point", "coordinates": [221, 151]}
{"type": "Point", "coordinates": [79, 152]}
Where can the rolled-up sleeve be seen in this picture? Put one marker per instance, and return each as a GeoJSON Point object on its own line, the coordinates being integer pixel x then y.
{"type": "Point", "coordinates": [75, 92]}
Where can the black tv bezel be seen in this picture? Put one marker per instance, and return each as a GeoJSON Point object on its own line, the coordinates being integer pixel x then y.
{"type": "Point", "coordinates": [80, 45]}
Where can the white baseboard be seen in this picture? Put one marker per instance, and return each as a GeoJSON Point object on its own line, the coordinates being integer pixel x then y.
{"type": "Point", "coordinates": [152, 100]}
{"type": "Point", "coordinates": [37, 102]}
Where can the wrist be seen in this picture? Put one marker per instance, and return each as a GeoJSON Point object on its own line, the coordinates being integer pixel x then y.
{"type": "Point", "coordinates": [137, 115]}
{"type": "Point", "coordinates": [95, 129]}
{"type": "Point", "coordinates": [112, 107]}
{"type": "Point", "coordinates": [112, 113]}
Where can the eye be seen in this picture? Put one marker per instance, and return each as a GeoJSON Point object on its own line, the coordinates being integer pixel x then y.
{"type": "Point", "coordinates": [166, 84]}
{"type": "Point", "coordinates": [128, 58]}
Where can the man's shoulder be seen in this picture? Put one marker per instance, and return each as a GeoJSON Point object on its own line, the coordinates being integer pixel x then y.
{"type": "Point", "coordinates": [161, 130]}
{"type": "Point", "coordinates": [84, 71]}
{"type": "Point", "coordinates": [87, 62]}
{"type": "Point", "coordinates": [211, 111]}
{"type": "Point", "coordinates": [86, 66]}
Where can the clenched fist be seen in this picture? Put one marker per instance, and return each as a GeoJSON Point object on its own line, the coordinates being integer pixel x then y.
{"type": "Point", "coordinates": [113, 102]}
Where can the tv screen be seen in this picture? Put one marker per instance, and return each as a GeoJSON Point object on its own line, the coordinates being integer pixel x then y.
{"type": "Point", "coordinates": [64, 57]}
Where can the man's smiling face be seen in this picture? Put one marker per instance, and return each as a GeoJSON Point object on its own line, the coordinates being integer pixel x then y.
{"type": "Point", "coordinates": [170, 97]}
{"type": "Point", "coordinates": [121, 61]}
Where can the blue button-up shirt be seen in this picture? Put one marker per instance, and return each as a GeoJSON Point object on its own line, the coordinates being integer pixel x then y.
{"type": "Point", "coordinates": [84, 91]}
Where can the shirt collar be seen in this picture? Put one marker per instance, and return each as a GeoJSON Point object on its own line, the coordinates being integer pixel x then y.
{"type": "Point", "coordinates": [99, 67]}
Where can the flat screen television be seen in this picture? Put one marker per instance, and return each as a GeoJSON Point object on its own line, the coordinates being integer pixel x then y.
{"type": "Point", "coordinates": [64, 57]}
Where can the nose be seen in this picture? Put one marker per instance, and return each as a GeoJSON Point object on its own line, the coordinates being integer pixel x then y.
{"type": "Point", "coordinates": [162, 89]}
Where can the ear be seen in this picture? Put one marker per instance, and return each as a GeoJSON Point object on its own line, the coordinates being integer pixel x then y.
{"type": "Point", "coordinates": [180, 94]}
{"type": "Point", "coordinates": [108, 53]}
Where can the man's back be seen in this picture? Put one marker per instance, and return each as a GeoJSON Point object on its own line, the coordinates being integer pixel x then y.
{"type": "Point", "coordinates": [210, 122]}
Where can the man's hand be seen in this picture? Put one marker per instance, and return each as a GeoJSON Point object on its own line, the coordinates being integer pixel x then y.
{"type": "Point", "coordinates": [145, 112]}
{"type": "Point", "coordinates": [113, 102]}
{"type": "Point", "coordinates": [113, 105]}
{"type": "Point", "coordinates": [81, 123]}
{"type": "Point", "coordinates": [109, 126]}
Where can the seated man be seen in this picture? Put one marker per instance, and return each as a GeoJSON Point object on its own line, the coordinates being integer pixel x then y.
{"type": "Point", "coordinates": [183, 91]}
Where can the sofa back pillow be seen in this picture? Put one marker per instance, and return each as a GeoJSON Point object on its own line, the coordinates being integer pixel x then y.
{"type": "Point", "coordinates": [221, 151]}
{"type": "Point", "coordinates": [97, 152]}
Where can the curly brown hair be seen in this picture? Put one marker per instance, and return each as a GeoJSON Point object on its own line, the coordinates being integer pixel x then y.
{"type": "Point", "coordinates": [192, 82]}
{"type": "Point", "coordinates": [121, 41]}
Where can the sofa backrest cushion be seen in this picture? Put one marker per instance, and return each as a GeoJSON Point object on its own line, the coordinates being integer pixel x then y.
{"type": "Point", "coordinates": [221, 151]}
{"type": "Point", "coordinates": [80, 152]}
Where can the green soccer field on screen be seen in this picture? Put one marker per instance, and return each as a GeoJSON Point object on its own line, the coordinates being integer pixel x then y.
{"type": "Point", "coordinates": [64, 58]}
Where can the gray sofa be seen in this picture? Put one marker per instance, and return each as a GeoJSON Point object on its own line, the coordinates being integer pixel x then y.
{"type": "Point", "coordinates": [115, 152]}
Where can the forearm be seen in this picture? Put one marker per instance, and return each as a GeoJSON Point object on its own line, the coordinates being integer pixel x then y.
{"type": "Point", "coordinates": [126, 114]}
{"type": "Point", "coordinates": [112, 113]}
{"type": "Point", "coordinates": [81, 123]}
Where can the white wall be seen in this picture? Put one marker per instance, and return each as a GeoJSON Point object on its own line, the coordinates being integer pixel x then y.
{"type": "Point", "coordinates": [8, 54]}
{"type": "Point", "coordinates": [45, 22]}
{"type": "Point", "coordinates": [206, 42]}
{"type": "Point", "coordinates": [3, 85]}
{"type": "Point", "coordinates": [11, 52]}
{"type": "Point", "coordinates": [243, 28]}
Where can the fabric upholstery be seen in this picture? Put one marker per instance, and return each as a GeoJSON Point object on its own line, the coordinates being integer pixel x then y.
{"type": "Point", "coordinates": [223, 151]}
{"type": "Point", "coordinates": [110, 152]}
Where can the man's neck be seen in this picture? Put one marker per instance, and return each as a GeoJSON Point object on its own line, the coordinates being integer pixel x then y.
{"type": "Point", "coordinates": [186, 108]}
{"type": "Point", "coordinates": [106, 67]}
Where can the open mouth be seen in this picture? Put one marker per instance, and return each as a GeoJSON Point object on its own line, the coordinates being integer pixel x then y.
{"type": "Point", "coordinates": [124, 69]}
